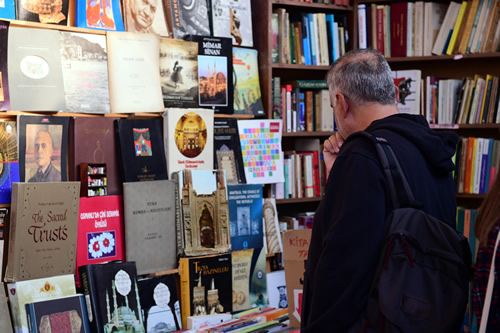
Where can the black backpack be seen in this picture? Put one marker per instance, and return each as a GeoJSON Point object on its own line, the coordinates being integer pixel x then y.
{"type": "Point", "coordinates": [422, 278]}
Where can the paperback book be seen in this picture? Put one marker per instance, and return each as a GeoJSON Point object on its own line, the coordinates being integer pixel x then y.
{"type": "Point", "coordinates": [4, 78]}
{"type": "Point", "coordinates": [51, 11]}
{"type": "Point", "coordinates": [227, 150]}
{"type": "Point", "coordinates": [247, 96]}
{"type": "Point", "coordinates": [233, 19]}
{"type": "Point", "coordinates": [100, 15]}
{"type": "Point", "coordinates": [188, 17]}
{"type": "Point", "coordinates": [9, 168]}
{"type": "Point", "coordinates": [408, 83]}
{"type": "Point", "coordinates": [5, 320]}
{"type": "Point", "coordinates": [146, 17]}
{"type": "Point", "coordinates": [8, 10]}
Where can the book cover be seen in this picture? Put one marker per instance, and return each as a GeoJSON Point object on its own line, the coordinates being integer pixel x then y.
{"type": "Point", "coordinates": [273, 242]}
{"type": "Point", "coordinates": [245, 216]}
{"type": "Point", "coordinates": [215, 73]}
{"type": "Point", "coordinates": [8, 10]}
{"type": "Point", "coordinates": [203, 225]}
{"type": "Point", "coordinates": [160, 303]}
{"type": "Point", "coordinates": [112, 295]}
{"type": "Point", "coordinates": [4, 78]}
{"type": "Point", "coordinates": [34, 68]}
{"type": "Point", "coordinates": [179, 73]}
{"type": "Point", "coordinates": [5, 320]}
{"type": "Point", "coordinates": [276, 289]}
{"type": "Point", "coordinates": [100, 231]}
{"type": "Point", "coordinates": [98, 134]}
{"type": "Point", "coordinates": [247, 96]}
{"type": "Point", "coordinates": [205, 285]}
{"type": "Point", "coordinates": [9, 168]}
{"type": "Point", "coordinates": [227, 150]}
{"type": "Point", "coordinates": [188, 17]}
{"type": "Point", "coordinates": [100, 15]}
{"type": "Point", "coordinates": [85, 72]}
{"type": "Point", "coordinates": [24, 292]}
{"type": "Point", "coordinates": [64, 314]}
{"type": "Point", "coordinates": [233, 19]}
{"type": "Point", "coordinates": [42, 144]}
{"type": "Point", "coordinates": [134, 78]}
{"type": "Point", "coordinates": [43, 11]}
{"type": "Point", "coordinates": [189, 139]}
{"type": "Point", "coordinates": [408, 83]}
{"type": "Point", "coordinates": [43, 230]}
{"type": "Point", "coordinates": [149, 210]}
{"type": "Point", "coordinates": [146, 17]}
{"type": "Point", "coordinates": [140, 149]}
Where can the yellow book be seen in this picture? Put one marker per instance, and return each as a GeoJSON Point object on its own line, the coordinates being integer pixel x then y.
{"type": "Point", "coordinates": [489, 78]}
{"type": "Point", "coordinates": [473, 166]}
{"type": "Point", "coordinates": [462, 48]}
{"type": "Point", "coordinates": [456, 28]}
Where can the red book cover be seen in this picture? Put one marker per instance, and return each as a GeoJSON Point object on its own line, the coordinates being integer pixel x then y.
{"type": "Point", "coordinates": [315, 160]}
{"type": "Point", "coordinates": [399, 17]}
{"type": "Point", "coordinates": [380, 29]}
{"type": "Point", "coordinates": [100, 231]}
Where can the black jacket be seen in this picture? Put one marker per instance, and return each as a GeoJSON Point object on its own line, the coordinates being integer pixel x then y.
{"type": "Point", "coordinates": [349, 222]}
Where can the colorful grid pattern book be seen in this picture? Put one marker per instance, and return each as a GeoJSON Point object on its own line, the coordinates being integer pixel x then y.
{"type": "Point", "coordinates": [261, 150]}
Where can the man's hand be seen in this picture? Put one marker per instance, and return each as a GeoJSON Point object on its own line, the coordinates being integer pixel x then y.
{"type": "Point", "coordinates": [331, 148]}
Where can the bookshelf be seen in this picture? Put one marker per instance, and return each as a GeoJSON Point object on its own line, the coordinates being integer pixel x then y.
{"type": "Point", "coordinates": [93, 180]}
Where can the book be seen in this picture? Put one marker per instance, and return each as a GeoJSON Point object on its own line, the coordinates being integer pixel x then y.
{"type": "Point", "coordinates": [227, 150]}
{"type": "Point", "coordinates": [98, 134]}
{"type": "Point", "coordinates": [408, 82]}
{"type": "Point", "coordinates": [467, 27]}
{"type": "Point", "coordinates": [215, 73]}
{"type": "Point", "coordinates": [112, 295]}
{"type": "Point", "coordinates": [52, 11]}
{"type": "Point", "coordinates": [146, 17]}
{"type": "Point", "coordinates": [179, 73]}
{"type": "Point", "coordinates": [140, 149]}
{"type": "Point", "coordinates": [4, 78]}
{"type": "Point", "coordinates": [185, 18]}
{"type": "Point", "coordinates": [276, 289]}
{"type": "Point", "coordinates": [207, 321]}
{"type": "Point", "coordinates": [85, 72]}
{"type": "Point", "coordinates": [8, 11]}
{"type": "Point", "coordinates": [160, 303]}
{"type": "Point", "coordinates": [203, 224]}
{"type": "Point", "coordinates": [42, 146]}
{"type": "Point", "coordinates": [68, 314]}
{"type": "Point", "coordinates": [10, 159]}
{"type": "Point", "coordinates": [22, 292]}
{"type": "Point", "coordinates": [233, 19]}
{"type": "Point", "coordinates": [150, 217]}
{"type": "Point", "coordinates": [245, 216]}
{"type": "Point", "coordinates": [456, 27]}
{"type": "Point", "coordinates": [446, 29]}
{"type": "Point", "coordinates": [43, 230]}
{"type": "Point", "coordinates": [34, 68]}
{"type": "Point", "coordinates": [100, 15]}
{"type": "Point", "coordinates": [100, 231]}
{"type": "Point", "coordinates": [134, 78]}
{"type": "Point", "coordinates": [205, 284]}
{"type": "Point", "coordinates": [247, 96]}
{"type": "Point", "coordinates": [273, 242]}
{"type": "Point", "coordinates": [189, 139]}
{"type": "Point", "coordinates": [5, 319]}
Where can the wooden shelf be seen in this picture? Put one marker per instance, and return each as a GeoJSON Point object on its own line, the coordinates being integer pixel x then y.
{"type": "Point", "coordinates": [299, 67]}
{"type": "Point", "coordinates": [470, 196]}
{"type": "Point", "coordinates": [27, 24]}
{"type": "Point", "coordinates": [306, 134]}
{"type": "Point", "coordinates": [297, 200]}
{"type": "Point", "coordinates": [455, 57]}
{"type": "Point", "coordinates": [302, 5]}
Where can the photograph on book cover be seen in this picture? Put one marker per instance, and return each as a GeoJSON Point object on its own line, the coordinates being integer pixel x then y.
{"type": "Point", "coordinates": [247, 96]}
{"type": "Point", "coordinates": [233, 18]}
{"type": "Point", "coordinates": [261, 149]}
{"type": "Point", "coordinates": [43, 11]}
{"type": "Point", "coordinates": [102, 15]}
{"type": "Point", "coordinates": [9, 166]}
{"type": "Point", "coordinates": [4, 81]}
{"type": "Point", "coordinates": [147, 16]}
{"type": "Point", "coordinates": [212, 78]}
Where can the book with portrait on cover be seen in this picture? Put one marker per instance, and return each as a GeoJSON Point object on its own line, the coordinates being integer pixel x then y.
{"type": "Point", "coordinates": [146, 17]}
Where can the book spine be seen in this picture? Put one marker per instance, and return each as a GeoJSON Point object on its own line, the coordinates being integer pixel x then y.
{"type": "Point", "coordinates": [12, 261]}
{"type": "Point", "coordinates": [30, 314]}
{"type": "Point", "coordinates": [90, 300]}
{"type": "Point", "coordinates": [178, 216]}
{"type": "Point", "coordinates": [185, 290]}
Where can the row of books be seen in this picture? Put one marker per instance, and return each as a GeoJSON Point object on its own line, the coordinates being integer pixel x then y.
{"type": "Point", "coordinates": [308, 38]}
{"type": "Point", "coordinates": [477, 164]}
{"type": "Point", "coordinates": [334, 2]}
{"type": "Point", "coordinates": [421, 28]}
{"type": "Point", "coordinates": [125, 73]}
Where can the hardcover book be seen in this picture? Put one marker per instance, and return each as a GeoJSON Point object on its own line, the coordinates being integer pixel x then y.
{"type": "Point", "coordinates": [134, 79]}
{"type": "Point", "coordinates": [43, 230]}
{"type": "Point", "coordinates": [227, 150]}
{"type": "Point", "coordinates": [98, 134]}
{"type": "Point", "coordinates": [4, 78]}
{"type": "Point", "coordinates": [276, 289]}
{"type": "Point", "coordinates": [150, 214]}
{"type": "Point", "coordinates": [146, 17]}
{"type": "Point", "coordinates": [100, 15]}
{"type": "Point", "coordinates": [48, 11]}
{"type": "Point", "coordinates": [42, 144]}
{"type": "Point", "coordinates": [140, 149]}
{"type": "Point", "coordinates": [100, 231]}
{"type": "Point", "coordinates": [64, 314]}
{"type": "Point", "coordinates": [8, 11]}
{"type": "Point", "coordinates": [271, 227]}
{"type": "Point", "coordinates": [203, 224]}
{"type": "Point", "coordinates": [85, 72]}
{"type": "Point", "coordinates": [112, 295]}
{"type": "Point", "coordinates": [188, 17]}
{"type": "Point", "coordinates": [189, 139]}
{"type": "Point", "coordinates": [179, 73]}
{"type": "Point", "coordinates": [35, 70]}
{"type": "Point", "coordinates": [408, 82]}
{"type": "Point", "coordinates": [9, 168]}
{"type": "Point", "coordinates": [205, 285]}
{"type": "Point", "coordinates": [233, 19]}
{"type": "Point", "coordinates": [24, 292]}
{"type": "Point", "coordinates": [160, 303]}
{"type": "Point", "coordinates": [215, 73]}
{"type": "Point", "coordinates": [245, 216]}
{"type": "Point", "coordinates": [5, 321]}
{"type": "Point", "coordinates": [247, 96]}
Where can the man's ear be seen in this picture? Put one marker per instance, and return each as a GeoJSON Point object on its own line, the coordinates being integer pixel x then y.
{"type": "Point", "coordinates": [342, 105]}
{"type": "Point", "coordinates": [397, 93]}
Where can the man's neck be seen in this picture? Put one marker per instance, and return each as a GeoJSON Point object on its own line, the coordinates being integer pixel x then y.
{"type": "Point", "coordinates": [367, 114]}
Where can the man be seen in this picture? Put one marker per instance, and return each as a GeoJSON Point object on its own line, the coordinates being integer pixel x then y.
{"type": "Point", "coordinates": [43, 158]}
{"type": "Point", "coordinates": [141, 14]}
{"type": "Point", "coordinates": [348, 228]}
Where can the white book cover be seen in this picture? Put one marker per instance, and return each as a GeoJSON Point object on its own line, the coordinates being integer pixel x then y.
{"type": "Point", "coordinates": [272, 242]}
{"type": "Point", "coordinates": [134, 72]}
{"type": "Point", "coordinates": [410, 29]}
{"type": "Point", "coordinates": [419, 29]}
{"type": "Point", "coordinates": [276, 289]}
{"type": "Point", "coordinates": [433, 18]}
{"type": "Point", "coordinates": [362, 35]}
{"type": "Point", "coordinates": [189, 139]}
{"type": "Point", "coordinates": [478, 155]}
{"type": "Point", "coordinates": [408, 83]}
{"type": "Point", "coordinates": [446, 28]}
{"type": "Point", "coordinates": [233, 19]}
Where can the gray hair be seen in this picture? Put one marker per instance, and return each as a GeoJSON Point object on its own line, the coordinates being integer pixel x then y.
{"type": "Point", "coordinates": [363, 76]}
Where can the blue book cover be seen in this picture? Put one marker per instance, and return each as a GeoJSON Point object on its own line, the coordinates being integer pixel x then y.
{"type": "Point", "coordinates": [9, 168]}
{"type": "Point", "coordinates": [245, 216]}
{"type": "Point", "coordinates": [306, 41]}
{"type": "Point", "coordinates": [101, 15]}
{"type": "Point", "coordinates": [312, 39]}
{"type": "Point", "coordinates": [488, 166]}
{"type": "Point", "coordinates": [8, 10]}
{"type": "Point", "coordinates": [330, 20]}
